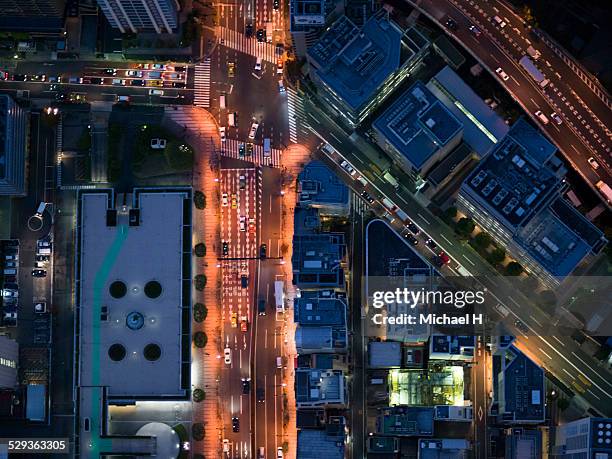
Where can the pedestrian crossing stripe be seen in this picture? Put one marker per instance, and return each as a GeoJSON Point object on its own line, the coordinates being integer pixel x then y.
{"type": "Point", "coordinates": [248, 45]}
{"type": "Point", "coordinates": [202, 84]}
{"type": "Point", "coordinates": [230, 148]}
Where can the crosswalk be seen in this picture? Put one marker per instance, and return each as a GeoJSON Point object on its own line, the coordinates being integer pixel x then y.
{"type": "Point", "coordinates": [202, 84]}
{"type": "Point", "coordinates": [240, 42]}
{"type": "Point", "coordinates": [229, 149]}
{"type": "Point", "coordinates": [295, 111]}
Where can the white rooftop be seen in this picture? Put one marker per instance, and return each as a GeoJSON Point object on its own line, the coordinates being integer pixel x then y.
{"type": "Point", "coordinates": [133, 255]}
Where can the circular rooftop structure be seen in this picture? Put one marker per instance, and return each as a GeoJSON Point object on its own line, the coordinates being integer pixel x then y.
{"type": "Point", "coordinates": [152, 352]}
{"type": "Point", "coordinates": [153, 289]}
{"type": "Point", "coordinates": [116, 352]}
{"type": "Point", "coordinates": [134, 320]}
{"type": "Point", "coordinates": [117, 289]}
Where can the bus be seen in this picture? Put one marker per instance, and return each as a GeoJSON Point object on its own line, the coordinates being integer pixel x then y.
{"type": "Point", "coordinates": [279, 295]}
{"type": "Point", "coordinates": [605, 190]}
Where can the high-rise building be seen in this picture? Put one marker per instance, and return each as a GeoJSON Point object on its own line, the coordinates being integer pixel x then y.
{"type": "Point", "coordinates": [588, 438]}
{"type": "Point", "coordinates": [13, 141]}
{"type": "Point", "coordinates": [141, 15]}
{"type": "Point", "coordinates": [32, 15]}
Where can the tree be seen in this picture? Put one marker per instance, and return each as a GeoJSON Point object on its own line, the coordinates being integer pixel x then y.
{"type": "Point", "coordinates": [197, 429]}
{"type": "Point", "coordinates": [514, 269]}
{"type": "Point", "coordinates": [200, 282]}
{"type": "Point", "coordinates": [198, 395]}
{"type": "Point", "coordinates": [200, 249]}
{"type": "Point", "coordinates": [482, 241]}
{"type": "Point", "coordinates": [464, 227]}
{"type": "Point", "coordinates": [200, 339]}
{"type": "Point", "coordinates": [496, 256]}
{"type": "Point", "coordinates": [199, 200]}
{"type": "Point", "coordinates": [450, 214]}
{"type": "Point", "coordinates": [199, 312]}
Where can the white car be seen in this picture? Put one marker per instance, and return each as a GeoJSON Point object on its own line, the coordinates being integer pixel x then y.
{"type": "Point", "coordinates": [281, 86]}
{"type": "Point", "coordinates": [227, 356]}
{"type": "Point", "coordinates": [156, 92]}
{"type": "Point", "coordinates": [242, 223]}
{"type": "Point", "coordinates": [224, 200]}
{"type": "Point", "coordinates": [158, 144]}
{"type": "Point", "coordinates": [134, 73]}
{"type": "Point", "coordinates": [258, 64]}
{"type": "Point", "coordinates": [279, 453]}
{"type": "Point", "coordinates": [253, 131]}
{"type": "Point", "coordinates": [222, 133]}
{"type": "Point", "coordinates": [503, 75]}
{"type": "Point", "coordinates": [347, 167]}
{"type": "Point", "coordinates": [594, 164]}
{"type": "Point", "coordinates": [556, 118]}
{"type": "Point", "coordinates": [10, 293]}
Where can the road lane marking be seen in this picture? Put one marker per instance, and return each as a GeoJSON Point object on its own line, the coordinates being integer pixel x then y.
{"type": "Point", "coordinates": [558, 340]}
{"type": "Point", "coordinates": [514, 301]}
{"type": "Point", "coordinates": [400, 197]}
{"type": "Point", "coordinates": [469, 261]}
{"type": "Point", "coordinates": [535, 320]}
{"type": "Point", "coordinates": [543, 352]}
{"type": "Point", "coordinates": [589, 367]}
{"type": "Point", "coordinates": [591, 392]}
{"type": "Point", "coordinates": [569, 374]}
{"type": "Point", "coordinates": [423, 218]}
{"type": "Point", "coordinates": [444, 237]}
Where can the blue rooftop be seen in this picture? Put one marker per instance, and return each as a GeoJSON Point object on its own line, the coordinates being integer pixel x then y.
{"type": "Point", "coordinates": [418, 124]}
{"type": "Point", "coordinates": [533, 141]}
{"type": "Point", "coordinates": [317, 260]}
{"type": "Point", "coordinates": [315, 387]}
{"type": "Point", "coordinates": [318, 444]}
{"type": "Point", "coordinates": [412, 421]}
{"type": "Point", "coordinates": [354, 62]}
{"type": "Point", "coordinates": [316, 308]}
{"type": "Point", "coordinates": [319, 186]}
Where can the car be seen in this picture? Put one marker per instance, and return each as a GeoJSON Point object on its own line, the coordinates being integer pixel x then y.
{"type": "Point", "coordinates": [137, 82]}
{"type": "Point", "coordinates": [413, 228]}
{"type": "Point", "coordinates": [231, 69]}
{"type": "Point", "coordinates": [279, 452]}
{"type": "Point", "coordinates": [11, 264]}
{"type": "Point", "coordinates": [431, 244]}
{"type": "Point", "coordinates": [244, 325]}
{"type": "Point", "coordinates": [281, 86]}
{"type": "Point", "coordinates": [365, 195]}
{"type": "Point", "coordinates": [117, 82]}
{"type": "Point", "coordinates": [178, 84]}
{"type": "Point", "coordinates": [10, 316]}
{"type": "Point", "coordinates": [593, 163]}
{"type": "Point", "coordinates": [158, 66]}
{"type": "Point", "coordinates": [244, 281]}
{"type": "Point", "coordinates": [224, 200]}
{"type": "Point", "coordinates": [241, 150]}
{"type": "Point", "coordinates": [96, 80]}
{"type": "Point", "coordinates": [158, 144]}
{"type": "Point", "coordinates": [76, 80]}
{"type": "Point", "coordinates": [42, 258]}
{"type": "Point", "coordinates": [110, 72]}
{"type": "Point", "coordinates": [347, 167]}
{"type": "Point", "coordinates": [155, 83]}
{"type": "Point", "coordinates": [556, 118]}
{"type": "Point", "coordinates": [252, 227]}
{"type": "Point", "coordinates": [248, 30]}
{"type": "Point", "coordinates": [499, 21]}
{"type": "Point", "coordinates": [258, 62]}
{"type": "Point", "coordinates": [39, 273]}
{"type": "Point", "coordinates": [246, 385]}
{"type": "Point", "coordinates": [222, 133]}
{"type": "Point", "coordinates": [242, 182]}
{"type": "Point", "coordinates": [411, 239]}
{"type": "Point", "coordinates": [156, 92]}
{"type": "Point", "coordinates": [253, 131]}
{"type": "Point", "coordinates": [39, 77]}
{"type": "Point", "coordinates": [261, 395]}
{"type": "Point", "coordinates": [443, 259]}
{"type": "Point", "coordinates": [227, 356]}
{"type": "Point", "coordinates": [261, 35]}
{"type": "Point", "coordinates": [475, 30]}
{"type": "Point", "coordinates": [235, 424]}
{"type": "Point", "coordinates": [134, 73]}
{"type": "Point", "coordinates": [234, 320]}
{"type": "Point", "coordinates": [4, 76]}
{"type": "Point", "coordinates": [503, 75]}
{"type": "Point", "coordinates": [242, 223]}
{"type": "Point", "coordinates": [249, 149]}
{"type": "Point", "coordinates": [225, 248]}
{"type": "Point", "coordinates": [54, 79]}
{"type": "Point", "coordinates": [263, 251]}
{"type": "Point", "coordinates": [520, 325]}
{"type": "Point", "coordinates": [261, 307]}
{"type": "Point", "coordinates": [226, 445]}
{"type": "Point", "coordinates": [451, 24]}
{"type": "Point", "coordinates": [279, 66]}
{"type": "Point", "coordinates": [43, 243]}
{"type": "Point", "coordinates": [19, 77]}
{"type": "Point", "coordinates": [6, 293]}
{"type": "Point", "coordinates": [276, 4]}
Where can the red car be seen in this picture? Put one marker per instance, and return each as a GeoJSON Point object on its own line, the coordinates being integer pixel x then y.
{"type": "Point", "coordinates": [243, 324]}
{"type": "Point", "coordinates": [444, 259]}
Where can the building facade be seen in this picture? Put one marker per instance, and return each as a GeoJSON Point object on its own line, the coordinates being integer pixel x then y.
{"type": "Point", "coordinates": [13, 147]}
{"type": "Point", "coordinates": [42, 16]}
{"type": "Point", "coordinates": [134, 16]}
{"type": "Point", "coordinates": [587, 438]}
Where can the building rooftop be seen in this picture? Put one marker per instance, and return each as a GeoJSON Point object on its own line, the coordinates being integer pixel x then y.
{"type": "Point", "coordinates": [354, 62]}
{"type": "Point", "coordinates": [317, 259]}
{"type": "Point", "coordinates": [317, 444]}
{"type": "Point", "coordinates": [445, 168]}
{"type": "Point", "coordinates": [131, 293]}
{"type": "Point", "coordinates": [482, 126]}
{"type": "Point", "coordinates": [306, 221]}
{"type": "Point", "coordinates": [406, 421]}
{"type": "Point", "coordinates": [307, 13]}
{"type": "Point", "coordinates": [314, 387]}
{"type": "Point", "coordinates": [446, 448]}
{"type": "Point", "coordinates": [321, 319]}
{"type": "Point", "coordinates": [320, 187]}
{"type": "Point", "coordinates": [9, 358]}
{"type": "Point", "coordinates": [513, 180]}
{"type": "Point", "coordinates": [523, 444]}
{"type": "Point", "coordinates": [417, 124]}
{"type": "Point", "coordinates": [384, 354]}
{"type": "Point", "coordinates": [518, 387]}
{"type": "Point", "coordinates": [452, 347]}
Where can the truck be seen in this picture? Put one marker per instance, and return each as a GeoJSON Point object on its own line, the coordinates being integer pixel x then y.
{"type": "Point", "coordinates": [533, 71]}
{"type": "Point", "coordinates": [605, 190]}
{"type": "Point", "coordinates": [534, 53]}
{"type": "Point", "coordinates": [389, 178]}
{"type": "Point", "coordinates": [388, 204]}
{"type": "Point", "coordinates": [279, 295]}
{"type": "Point", "coordinates": [267, 149]}
{"type": "Point", "coordinates": [403, 216]}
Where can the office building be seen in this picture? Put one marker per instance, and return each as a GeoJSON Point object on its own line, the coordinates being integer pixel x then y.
{"type": "Point", "coordinates": [515, 194]}
{"type": "Point", "coordinates": [321, 322]}
{"type": "Point", "coordinates": [521, 443]}
{"type": "Point", "coordinates": [133, 302]}
{"type": "Point", "coordinates": [518, 388]}
{"type": "Point", "coordinates": [306, 19]}
{"type": "Point", "coordinates": [39, 17]}
{"type": "Point", "coordinates": [356, 68]}
{"type": "Point", "coordinates": [134, 16]}
{"type": "Point", "coordinates": [318, 260]}
{"type": "Point", "coordinates": [320, 188]}
{"type": "Point", "coordinates": [13, 147]}
{"type": "Point", "coordinates": [384, 354]}
{"type": "Point", "coordinates": [315, 387]}
{"type": "Point", "coordinates": [444, 448]}
{"type": "Point", "coordinates": [417, 131]}
{"type": "Point", "coordinates": [328, 443]}
{"type": "Point", "coordinates": [448, 347]}
{"type": "Point", "coordinates": [587, 438]}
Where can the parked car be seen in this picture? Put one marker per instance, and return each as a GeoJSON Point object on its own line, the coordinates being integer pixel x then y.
{"type": "Point", "coordinates": [225, 248]}
{"type": "Point", "coordinates": [222, 133]}
{"type": "Point", "coordinates": [261, 394]}
{"type": "Point", "coordinates": [39, 273]}
{"type": "Point", "coordinates": [503, 75]}
{"type": "Point", "coordinates": [263, 249]}
{"type": "Point", "coordinates": [158, 144]}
